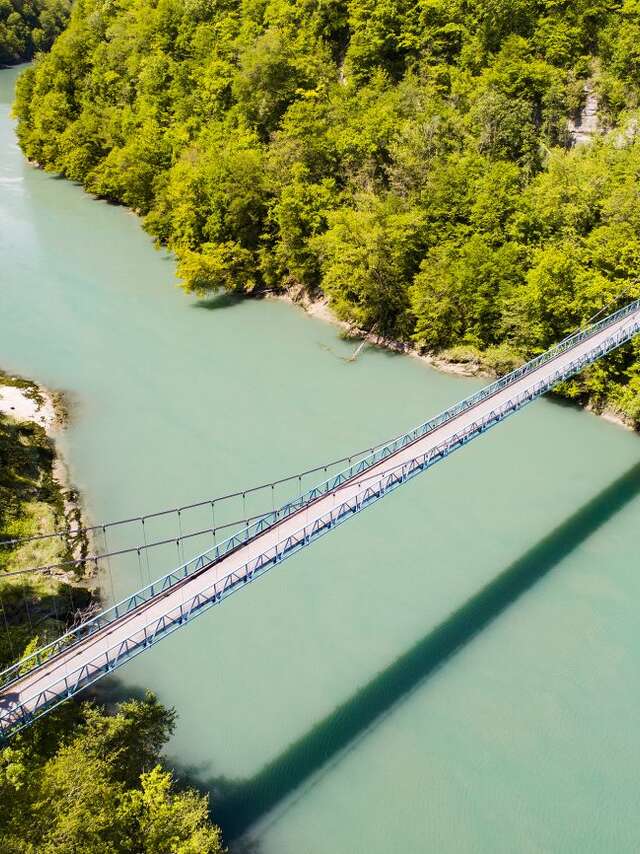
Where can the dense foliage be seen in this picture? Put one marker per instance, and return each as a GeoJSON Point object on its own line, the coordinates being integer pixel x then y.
{"type": "Point", "coordinates": [27, 480]}
{"type": "Point", "coordinates": [412, 160]}
{"type": "Point", "coordinates": [32, 502]}
{"type": "Point", "coordinates": [79, 781]}
{"type": "Point", "coordinates": [27, 26]}
{"type": "Point", "coordinates": [84, 781]}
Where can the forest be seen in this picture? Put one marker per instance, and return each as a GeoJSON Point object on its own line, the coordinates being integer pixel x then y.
{"type": "Point", "coordinates": [83, 780]}
{"type": "Point", "coordinates": [415, 162]}
{"type": "Point", "coordinates": [29, 26]}
{"type": "Point", "coordinates": [87, 782]}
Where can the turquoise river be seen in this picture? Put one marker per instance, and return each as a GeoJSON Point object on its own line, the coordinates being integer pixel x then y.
{"type": "Point", "coordinates": [455, 670]}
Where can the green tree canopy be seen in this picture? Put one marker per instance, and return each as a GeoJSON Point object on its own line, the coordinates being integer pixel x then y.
{"type": "Point", "coordinates": [414, 162]}
{"type": "Point", "coordinates": [84, 781]}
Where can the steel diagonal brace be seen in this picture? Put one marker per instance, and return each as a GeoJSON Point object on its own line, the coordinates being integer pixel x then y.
{"type": "Point", "coordinates": [52, 694]}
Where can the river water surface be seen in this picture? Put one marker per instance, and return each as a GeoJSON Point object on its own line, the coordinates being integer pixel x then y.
{"type": "Point", "coordinates": [455, 670]}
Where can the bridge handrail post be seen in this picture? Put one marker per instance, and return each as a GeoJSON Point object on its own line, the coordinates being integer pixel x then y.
{"type": "Point", "coordinates": [117, 610]}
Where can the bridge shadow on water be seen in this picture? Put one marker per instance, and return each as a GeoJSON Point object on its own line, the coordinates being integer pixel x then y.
{"type": "Point", "coordinates": [238, 804]}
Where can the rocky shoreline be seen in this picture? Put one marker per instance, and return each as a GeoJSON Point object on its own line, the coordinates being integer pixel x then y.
{"type": "Point", "coordinates": [24, 400]}
{"type": "Point", "coordinates": [320, 309]}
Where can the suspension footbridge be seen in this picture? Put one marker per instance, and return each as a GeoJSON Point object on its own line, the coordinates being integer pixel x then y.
{"type": "Point", "coordinates": [37, 683]}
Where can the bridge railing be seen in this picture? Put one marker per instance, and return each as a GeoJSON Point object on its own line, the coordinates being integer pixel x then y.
{"type": "Point", "coordinates": [225, 547]}
{"type": "Point", "coordinates": [371, 488]}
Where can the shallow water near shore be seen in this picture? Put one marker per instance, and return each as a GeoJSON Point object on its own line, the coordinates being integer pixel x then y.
{"type": "Point", "coordinates": [455, 670]}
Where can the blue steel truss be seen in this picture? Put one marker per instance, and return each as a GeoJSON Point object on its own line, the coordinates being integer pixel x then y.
{"type": "Point", "coordinates": [371, 489]}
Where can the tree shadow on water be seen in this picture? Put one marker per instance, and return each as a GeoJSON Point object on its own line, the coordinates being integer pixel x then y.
{"type": "Point", "coordinates": [219, 300]}
{"type": "Point", "coordinates": [238, 804]}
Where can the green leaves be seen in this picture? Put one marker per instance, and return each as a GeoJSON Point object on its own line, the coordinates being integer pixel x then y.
{"type": "Point", "coordinates": [298, 217]}
{"type": "Point", "coordinates": [27, 26]}
{"type": "Point", "coordinates": [461, 293]}
{"type": "Point", "coordinates": [217, 266]}
{"type": "Point", "coordinates": [413, 161]}
{"type": "Point", "coordinates": [368, 258]}
{"type": "Point", "coordinates": [98, 787]}
{"type": "Point", "coordinates": [169, 821]}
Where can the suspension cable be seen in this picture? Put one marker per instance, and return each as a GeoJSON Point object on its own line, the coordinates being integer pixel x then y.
{"type": "Point", "coordinates": [75, 532]}
{"type": "Point", "coordinates": [238, 524]}
{"type": "Point", "coordinates": [586, 323]}
{"type": "Point", "coordinates": [101, 527]}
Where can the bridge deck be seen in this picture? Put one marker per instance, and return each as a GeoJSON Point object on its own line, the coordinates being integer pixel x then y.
{"type": "Point", "coordinates": [51, 674]}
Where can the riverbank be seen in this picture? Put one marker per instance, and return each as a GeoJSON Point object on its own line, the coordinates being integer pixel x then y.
{"type": "Point", "coordinates": [183, 397]}
{"type": "Point", "coordinates": [321, 309]}
{"type": "Point", "coordinates": [24, 401]}
{"type": "Point", "coordinates": [76, 754]}
{"type": "Point", "coordinates": [459, 361]}
{"type": "Point", "coordinates": [37, 498]}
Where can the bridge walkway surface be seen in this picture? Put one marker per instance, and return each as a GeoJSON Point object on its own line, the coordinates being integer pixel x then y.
{"type": "Point", "coordinates": [96, 648]}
